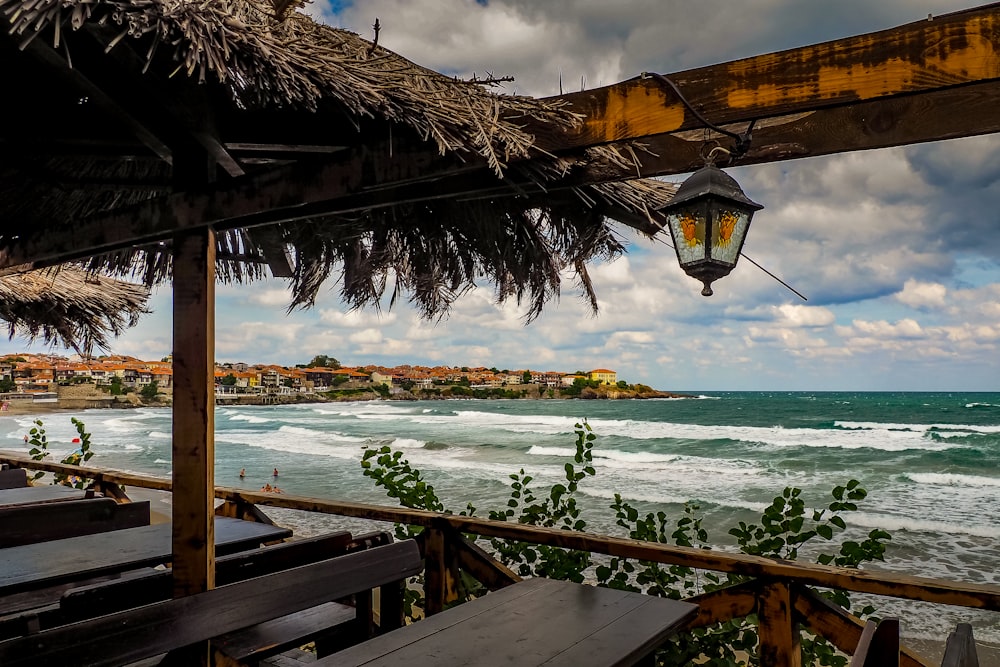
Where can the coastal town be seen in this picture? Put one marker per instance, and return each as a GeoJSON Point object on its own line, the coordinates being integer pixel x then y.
{"type": "Point", "coordinates": [120, 381]}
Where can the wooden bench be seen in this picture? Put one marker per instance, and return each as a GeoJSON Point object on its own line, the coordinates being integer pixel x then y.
{"type": "Point", "coordinates": [162, 627]}
{"type": "Point", "coordinates": [960, 651]}
{"type": "Point", "coordinates": [879, 645]}
{"type": "Point", "coordinates": [32, 611]}
{"type": "Point", "coordinates": [13, 478]}
{"type": "Point", "coordinates": [149, 586]}
{"type": "Point", "coordinates": [326, 623]}
{"type": "Point", "coordinates": [31, 524]}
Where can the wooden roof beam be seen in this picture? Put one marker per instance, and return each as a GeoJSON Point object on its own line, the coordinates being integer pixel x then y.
{"type": "Point", "coordinates": [55, 66]}
{"type": "Point", "coordinates": [933, 54]}
{"type": "Point", "coordinates": [921, 82]}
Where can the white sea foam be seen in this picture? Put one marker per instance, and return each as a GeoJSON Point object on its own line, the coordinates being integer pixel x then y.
{"type": "Point", "coordinates": [250, 419]}
{"type": "Point", "coordinates": [894, 523]}
{"type": "Point", "coordinates": [408, 443]}
{"type": "Point", "coordinates": [133, 448]}
{"type": "Point", "coordinates": [158, 435]}
{"type": "Point", "coordinates": [943, 430]}
{"type": "Point", "coordinates": [952, 480]}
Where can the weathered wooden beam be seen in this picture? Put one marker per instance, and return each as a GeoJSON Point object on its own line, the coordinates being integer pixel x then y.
{"type": "Point", "coordinates": [287, 193]}
{"type": "Point", "coordinates": [934, 54]}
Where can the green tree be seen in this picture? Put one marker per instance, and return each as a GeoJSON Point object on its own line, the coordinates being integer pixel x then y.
{"type": "Point", "coordinates": [229, 381]}
{"type": "Point", "coordinates": [526, 377]}
{"type": "Point", "coordinates": [7, 384]}
{"type": "Point", "coordinates": [323, 361]}
{"type": "Point", "coordinates": [116, 386]}
{"type": "Point", "coordinates": [150, 390]}
{"type": "Point", "coordinates": [622, 384]}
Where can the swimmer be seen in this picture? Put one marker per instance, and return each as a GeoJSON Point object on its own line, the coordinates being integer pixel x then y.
{"type": "Point", "coordinates": [243, 473]}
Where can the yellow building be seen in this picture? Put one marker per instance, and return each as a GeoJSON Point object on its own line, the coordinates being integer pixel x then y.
{"type": "Point", "coordinates": [604, 376]}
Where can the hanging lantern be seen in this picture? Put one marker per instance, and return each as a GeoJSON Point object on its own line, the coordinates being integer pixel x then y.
{"type": "Point", "coordinates": [708, 220]}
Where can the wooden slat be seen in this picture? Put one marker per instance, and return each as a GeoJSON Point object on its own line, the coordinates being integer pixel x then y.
{"type": "Point", "coordinates": [960, 651]}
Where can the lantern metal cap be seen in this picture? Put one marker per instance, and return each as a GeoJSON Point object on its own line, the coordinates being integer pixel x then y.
{"type": "Point", "coordinates": [710, 180]}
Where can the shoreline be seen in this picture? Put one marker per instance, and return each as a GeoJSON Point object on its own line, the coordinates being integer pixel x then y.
{"type": "Point", "coordinates": [21, 408]}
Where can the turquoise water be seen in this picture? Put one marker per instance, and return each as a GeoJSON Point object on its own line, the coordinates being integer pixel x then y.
{"type": "Point", "coordinates": [930, 461]}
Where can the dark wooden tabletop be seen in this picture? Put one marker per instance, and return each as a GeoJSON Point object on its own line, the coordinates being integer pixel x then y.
{"type": "Point", "coordinates": [34, 566]}
{"type": "Point", "coordinates": [534, 622]}
{"type": "Point", "coordinates": [32, 495]}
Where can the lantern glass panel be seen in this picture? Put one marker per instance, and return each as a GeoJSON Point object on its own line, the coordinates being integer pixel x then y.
{"type": "Point", "coordinates": [728, 232]}
{"type": "Point", "coordinates": [687, 226]}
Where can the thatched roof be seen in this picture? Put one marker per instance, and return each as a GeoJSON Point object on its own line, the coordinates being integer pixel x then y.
{"type": "Point", "coordinates": [69, 307]}
{"type": "Point", "coordinates": [262, 72]}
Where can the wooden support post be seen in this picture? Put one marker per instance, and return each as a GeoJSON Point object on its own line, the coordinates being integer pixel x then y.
{"type": "Point", "coordinates": [193, 450]}
{"type": "Point", "coordinates": [434, 571]}
{"type": "Point", "coordinates": [194, 413]}
{"type": "Point", "coordinates": [441, 576]}
{"type": "Point", "coordinates": [779, 633]}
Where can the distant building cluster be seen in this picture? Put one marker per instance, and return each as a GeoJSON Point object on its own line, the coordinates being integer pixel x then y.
{"type": "Point", "coordinates": [28, 373]}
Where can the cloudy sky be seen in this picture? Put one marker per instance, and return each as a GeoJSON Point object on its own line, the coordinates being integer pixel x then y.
{"type": "Point", "coordinates": [897, 250]}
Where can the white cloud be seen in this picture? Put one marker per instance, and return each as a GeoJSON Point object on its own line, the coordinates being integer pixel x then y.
{"type": "Point", "coordinates": [918, 294]}
{"type": "Point", "coordinates": [356, 319]}
{"type": "Point", "coordinates": [267, 297]}
{"type": "Point", "coordinates": [792, 315]}
{"type": "Point", "coordinates": [905, 328]}
{"type": "Point", "coordinates": [366, 337]}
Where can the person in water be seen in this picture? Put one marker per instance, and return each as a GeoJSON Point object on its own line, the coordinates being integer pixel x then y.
{"type": "Point", "coordinates": [243, 473]}
{"type": "Point", "coordinates": [266, 488]}
{"type": "Point", "coordinates": [275, 472]}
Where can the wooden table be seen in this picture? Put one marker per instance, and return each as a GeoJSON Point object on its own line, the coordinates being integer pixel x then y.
{"type": "Point", "coordinates": [34, 566]}
{"type": "Point", "coordinates": [34, 495]}
{"type": "Point", "coordinates": [534, 622]}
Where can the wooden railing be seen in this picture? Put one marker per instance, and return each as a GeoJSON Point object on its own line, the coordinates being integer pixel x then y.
{"type": "Point", "coordinates": [779, 591]}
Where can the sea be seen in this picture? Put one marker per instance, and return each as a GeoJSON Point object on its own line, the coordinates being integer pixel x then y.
{"type": "Point", "coordinates": [929, 461]}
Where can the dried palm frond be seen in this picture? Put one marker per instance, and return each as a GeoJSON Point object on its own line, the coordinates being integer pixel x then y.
{"type": "Point", "coordinates": [289, 60]}
{"type": "Point", "coordinates": [430, 253]}
{"type": "Point", "coordinates": [69, 306]}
